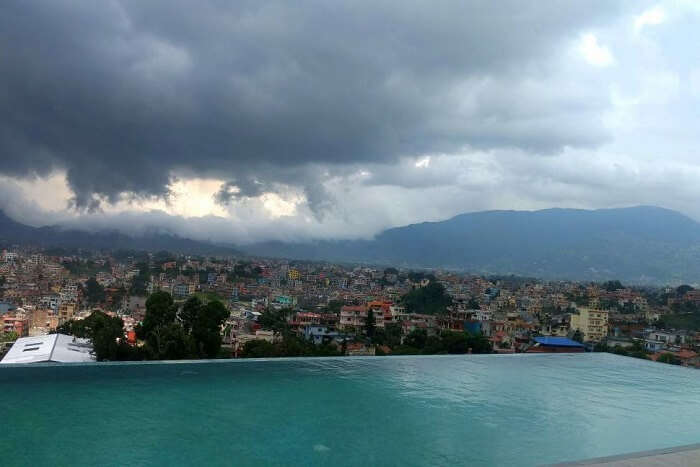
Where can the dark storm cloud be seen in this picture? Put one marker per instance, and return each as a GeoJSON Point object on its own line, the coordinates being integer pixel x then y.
{"type": "Point", "coordinates": [119, 94]}
{"type": "Point", "coordinates": [235, 189]}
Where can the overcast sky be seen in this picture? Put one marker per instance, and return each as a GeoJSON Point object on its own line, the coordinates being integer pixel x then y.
{"type": "Point", "coordinates": [241, 121]}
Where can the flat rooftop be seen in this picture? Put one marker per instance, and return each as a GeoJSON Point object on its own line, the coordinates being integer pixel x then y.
{"type": "Point", "coordinates": [58, 348]}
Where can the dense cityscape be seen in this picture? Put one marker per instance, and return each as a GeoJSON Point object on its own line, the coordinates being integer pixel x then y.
{"type": "Point", "coordinates": [131, 305]}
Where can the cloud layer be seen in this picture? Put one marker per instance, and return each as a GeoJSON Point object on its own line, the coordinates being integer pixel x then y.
{"type": "Point", "coordinates": [342, 118]}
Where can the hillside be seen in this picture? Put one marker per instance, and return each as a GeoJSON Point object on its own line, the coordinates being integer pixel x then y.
{"type": "Point", "coordinates": [12, 232]}
{"type": "Point", "coordinates": [640, 244]}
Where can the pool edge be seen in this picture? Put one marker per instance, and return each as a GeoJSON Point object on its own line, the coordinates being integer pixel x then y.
{"type": "Point", "coordinates": [631, 456]}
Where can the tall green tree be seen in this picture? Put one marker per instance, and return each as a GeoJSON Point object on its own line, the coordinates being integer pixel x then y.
{"type": "Point", "coordinates": [370, 324]}
{"type": "Point", "coordinates": [170, 342]}
{"type": "Point", "coordinates": [206, 328]}
{"type": "Point", "coordinates": [94, 292]}
{"type": "Point", "coordinates": [190, 312]}
{"type": "Point", "coordinates": [160, 310]}
{"type": "Point", "coordinates": [140, 282]}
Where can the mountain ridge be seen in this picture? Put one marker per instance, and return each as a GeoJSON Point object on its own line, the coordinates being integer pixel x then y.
{"type": "Point", "coordinates": [640, 244]}
{"type": "Point", "coordinates": [13, 232]}
{"type": "Point", "coordinates": [643, 244]}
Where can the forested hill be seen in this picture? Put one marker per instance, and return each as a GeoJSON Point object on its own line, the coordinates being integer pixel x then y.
{"type": "Point", "coordinates": [639, 245]}
{"type": "Point", "coordinates": [12, 232]}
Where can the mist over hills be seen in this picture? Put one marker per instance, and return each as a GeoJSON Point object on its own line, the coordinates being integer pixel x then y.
{"type": "Point", "coordinates": [641, 244]}
{"type": "Point", "coordinates": [638, 245]}
{"type": "Point", "coordinates": [12, 232]}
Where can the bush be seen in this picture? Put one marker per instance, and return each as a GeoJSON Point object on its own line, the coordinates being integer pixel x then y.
{"type": "Point", "coordinates": [667, 357]}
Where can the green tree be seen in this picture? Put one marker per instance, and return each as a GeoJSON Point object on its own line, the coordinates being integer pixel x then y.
{"type": "Point", "coordinates": [194, 332]}
{"type": "Point", "coordinates": [431, 299]}
{"type": "Point", "coordinates": [416, 339]}
{"type": "Point", "coordinates": [170, 342]}
{"type": "Point", "coordinates": [140, 282]}
{"type": "Point", "coordinates": [8, 336]}
{"type": "Point", "coordinates": [160, 310]}
{"type": "Point", "coordinates": [259, 348]}
{"type": "Point", "coordinates": [117, 298]}
{"type": "Point", "coordinates": [190, 312]}
{"type": "Point", "coordinates": [370, 324]}
{"type": "Point", "coordinates": [334, 306]}
{"type": "Point", "coordinates": [206, 329]}
{"type": "Point", "coordinates": [94, 292]}
{"type": "Point", "coordinates": [389, 335]}
{"type": "Point", "coordinates": [668, 357]}
{"type": "Point", "coordinates": [479, 343]}
{"type": "Point", "coordinates": [106, 334]}
{"type": "Point", "coordinates": [275, 320]}
{"type": "Point", "coordinates": [290, 346]}
{"type": "Point", "coordinates": [463, 342]}
{"type": "Point", "coordinates": [601, 347]}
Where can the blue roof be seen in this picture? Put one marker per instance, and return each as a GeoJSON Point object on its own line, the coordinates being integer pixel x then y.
{"type": "Point", "coordinates": [557, 341]}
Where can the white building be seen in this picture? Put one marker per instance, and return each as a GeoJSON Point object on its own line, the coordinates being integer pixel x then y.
{"type": "Point", "coordinates": [58, 348]}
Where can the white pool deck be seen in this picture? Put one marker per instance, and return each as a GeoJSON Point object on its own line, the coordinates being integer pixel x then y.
{"type": "Point", "coordinates": [682, 456]}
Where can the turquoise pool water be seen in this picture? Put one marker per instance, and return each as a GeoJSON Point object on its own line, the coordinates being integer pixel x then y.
{"type": "Point", "coordinates": [442, 410]}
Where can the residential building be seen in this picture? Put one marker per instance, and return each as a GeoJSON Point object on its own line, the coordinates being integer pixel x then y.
{"type": "Point", "coordinates": [353, 318]}
{"type": "Point", "coordinates": [592, 323]}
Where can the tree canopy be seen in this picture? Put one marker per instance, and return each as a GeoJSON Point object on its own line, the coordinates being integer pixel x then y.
{"type": "Point", "coordinates": [275, 320]}
{"type": "Point", "coordinates": [668, 357]}
{"type": "Point", "coordinates": [106, 334]}
{"type": "Point", "coordinates": [94, 292]}
{"type": "Point", "coordinates": [8, 336]}
{"type": "Point", "coordinates": [290, 346]}
{"type": "Point", "coordinates": [446, 342]}
{"type": "Point", "coordinates": [431, 299]}
{"type": "Point", "coordinates": [140, 281]}
{"type": "Point", "coordinates": [193, 332]}
{"type": "Point", "coordinates": [370, 324]}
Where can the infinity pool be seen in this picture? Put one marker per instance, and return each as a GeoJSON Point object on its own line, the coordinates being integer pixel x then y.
{"type": "Point", "coordinates": [441, 410]}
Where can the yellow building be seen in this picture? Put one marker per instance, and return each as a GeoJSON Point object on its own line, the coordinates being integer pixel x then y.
{"type": "Point", "coordinates": [294, 274]}
{"type": "Point", "coordinates": [66, 312]}
{"type": "Point", "coordinates": [593, 324]}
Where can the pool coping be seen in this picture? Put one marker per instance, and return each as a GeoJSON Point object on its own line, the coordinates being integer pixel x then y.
{"type": "Point", "coordinates": [632, 456]}
{"type": "Point", "coordinates": [287, 359]}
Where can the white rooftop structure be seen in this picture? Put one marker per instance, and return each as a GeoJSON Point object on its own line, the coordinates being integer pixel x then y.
{"type": "Point", "coordinates": [50, 348]}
